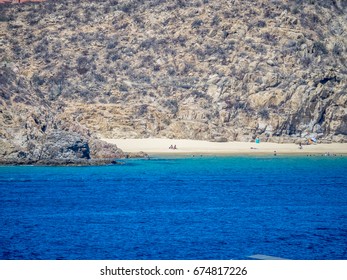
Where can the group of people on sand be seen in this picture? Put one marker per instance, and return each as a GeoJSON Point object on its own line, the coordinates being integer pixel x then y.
{"type": "Point", "coordinates": [173, 147]}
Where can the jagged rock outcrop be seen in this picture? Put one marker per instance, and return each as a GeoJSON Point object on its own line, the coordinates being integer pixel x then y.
{"type": "Point", "coordinates": [35, 132]}
{"type": "Point", "coordinates": [203, 69]}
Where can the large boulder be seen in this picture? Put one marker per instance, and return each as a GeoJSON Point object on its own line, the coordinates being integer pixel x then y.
{"type": "Point", "coordinates": [64, 145]}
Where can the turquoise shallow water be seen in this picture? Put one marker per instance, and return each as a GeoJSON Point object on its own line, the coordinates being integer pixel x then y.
{"type": "Point", "coordinates": [177, 208]}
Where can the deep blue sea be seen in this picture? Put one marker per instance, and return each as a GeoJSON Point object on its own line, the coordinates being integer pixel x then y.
{"type": "Point", "coordinates": [177, 208]}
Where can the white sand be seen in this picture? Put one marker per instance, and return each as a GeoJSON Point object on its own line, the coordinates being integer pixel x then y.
{"type": "Point", "coordinates": [155, 146]}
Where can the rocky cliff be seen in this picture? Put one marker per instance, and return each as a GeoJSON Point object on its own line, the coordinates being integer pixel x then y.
{"type": "Point", "coordinates": [35, 131]}
{"type": "Point", "coordinates": [201, 69]}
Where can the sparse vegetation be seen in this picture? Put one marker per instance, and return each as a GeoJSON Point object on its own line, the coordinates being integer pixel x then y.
{"type": "Point", "coordinates": [130, 53]}
{"type": "Point", "coordinates": [337, 49]}
{"type": "Point", "coordinates": [319, 48]}
{"type": "Point", "coordinates": [197, 23]}
{"type": "Point", "coordinates": [264, 114]}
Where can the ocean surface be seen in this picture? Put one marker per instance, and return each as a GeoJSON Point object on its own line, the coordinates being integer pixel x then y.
{"type": "Point", "coordinates": [177, 208]}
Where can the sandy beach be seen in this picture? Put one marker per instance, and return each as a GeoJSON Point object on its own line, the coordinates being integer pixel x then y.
{"type": "Point", "coordinates": [156, 146]}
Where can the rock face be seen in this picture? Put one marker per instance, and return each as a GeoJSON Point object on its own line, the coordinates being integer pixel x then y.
{"type": "Point", "coordinates": [72, 71]}
{"type": "Point", "coordinates": [35, 132]}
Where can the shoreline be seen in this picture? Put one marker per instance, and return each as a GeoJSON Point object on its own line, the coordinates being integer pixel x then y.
{"type": "Point", "coordinates": [59, 162]}
{"type": "Point", "coordinates": [70, 162]}
{"type": "Point", "coordinates": [160, 147]}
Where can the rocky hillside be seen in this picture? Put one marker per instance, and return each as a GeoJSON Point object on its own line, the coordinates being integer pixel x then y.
{"type": "Point", "coordinates": [36, 131]}
{"type": "Point", "coordinates": [200, 69]}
